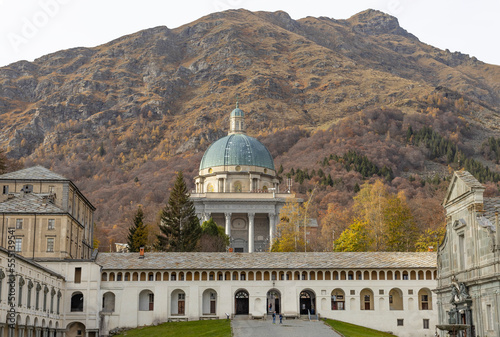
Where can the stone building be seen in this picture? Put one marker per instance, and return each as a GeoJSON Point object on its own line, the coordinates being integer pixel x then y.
{"type": "Point", "coordinates": [468, 290]}
{"type": "Point", "coordinates": [51, 217]}
{"type": "Point", "coordinates": [238, 187]}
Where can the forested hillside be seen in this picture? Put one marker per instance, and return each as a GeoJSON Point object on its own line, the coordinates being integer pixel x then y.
{"type": "Point", "coordinates": [341, 104]}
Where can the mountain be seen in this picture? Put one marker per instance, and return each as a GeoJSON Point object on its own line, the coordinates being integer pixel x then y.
{"type": "Point", "coordinates": [120, 118]}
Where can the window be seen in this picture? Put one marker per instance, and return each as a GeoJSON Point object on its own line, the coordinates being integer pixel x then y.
{"type": "Point", "coordinates": [381, 291]}
{"type": "Point", "coordinates": [461, 245]}
{"type": "Point", "coordinates": [19, 223]}
{"type": "Point", "coordinates": [242, 277]}
{"type": "Point", "coordinates": [78, 275]}
{"type": "Point", "coordinates": [19, 245]}
{"type": "Point", "coordinates": [172, 277]}
{"type": "Point", "coordinates": [5, 189]}
{"type": "Point", "coordinates": [37, 296]}
{"type": "Point", "coordinates": [58, 301]}
{"type": "Point", "coordinates": [426, 323]}
{"type": "Point", "coordinates": [489, 317]}
{"type": "Point", "coordinates": [182, 296]}
{"type": "Point", "coordinates": [52, 224]}
{"type": "Point", "coordinates": [400, 322]}
{"type": "Point", "coordinates": [50, 244]}
{"type": "Point", "coordinates": [51, 189]}
{"type": "Point", "coordinates": [27, 189]}
{"type": "Point", "coordinates": [410, 291]}
{"type": "Point", "coordinates": [353, 292]}
{"type": "Point", "coordinates": [77, 302]}
{"type": "Point", "coordinates": [28, 296]}
{"type": "Point", "coordinates": [20, 295]}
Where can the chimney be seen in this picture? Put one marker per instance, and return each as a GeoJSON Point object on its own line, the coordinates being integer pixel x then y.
{"type": "Point", "coordinates": [431, 248]}
{"type": "Point", "coordinates": [141, 252]}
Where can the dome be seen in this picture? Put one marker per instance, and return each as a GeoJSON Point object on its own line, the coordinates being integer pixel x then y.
{"type": "Point", "coordinates": [237, 149]}
{"type": "Point", "coordinates": [237, 113]}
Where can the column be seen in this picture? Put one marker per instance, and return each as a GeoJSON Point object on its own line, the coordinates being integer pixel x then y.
{"type": "Point", "coordinates": [250, 232]}
{"type": "Point", "coordinates": [228, 224]}
{"type": "Point", "coordinates": [272, 228]}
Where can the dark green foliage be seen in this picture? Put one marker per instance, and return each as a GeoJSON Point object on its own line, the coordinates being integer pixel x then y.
{"type": "Point", "coordinates": [179, 226]}
{"type": "Point", "coordinates": [213, 238]}
{"type": "Point", "coordinates": [137, 233]}
{"type": "Point", "coordinates": [3, 164]}
{"type": "Point", "coordinates": [444, 149]}
{"type": "Point", "coordinates": [490, 149]}
{"type": "Point", "coordinates": [360, 163]}
{"type": "Point", "coordinates": [101, 150]}
{"type": "Point", "coordinates": [356, 188]}
{"type": "Point", "coordinates": [280, 171]}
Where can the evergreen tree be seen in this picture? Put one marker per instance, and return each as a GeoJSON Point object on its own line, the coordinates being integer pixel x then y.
{"type": "Point", "coordinates": [138, 232]}
{"type": "Point", "coordinates": [179, 225]}
{"type": "Point", "coordinates": [3, 162]}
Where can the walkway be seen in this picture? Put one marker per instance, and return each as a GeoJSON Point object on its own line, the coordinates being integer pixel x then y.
{"type": "Point", "coordinates": [289, 328]}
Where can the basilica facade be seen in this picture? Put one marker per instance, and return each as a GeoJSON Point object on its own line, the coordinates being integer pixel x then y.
{"type": "Point", "coordinates": [468, 289]}
{"type": "Point", "coordinates": [238, 188]}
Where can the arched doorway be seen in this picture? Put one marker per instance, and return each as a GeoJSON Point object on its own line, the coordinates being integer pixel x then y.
{"type": "Point", "coordinates": [273, 301]}
{"type": "Point", "coordinates": [307, 302]}
{"type": "Point", "coordinates": [75, 329]}
{"type": "Point", "coordinates": [178, 302]}
{"type": "Point", "coordinates": [209, 302]}
{"type": "Point", "coordinates": [241, 302]}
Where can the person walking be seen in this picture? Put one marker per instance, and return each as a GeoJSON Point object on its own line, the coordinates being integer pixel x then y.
{"type": "Point", "coordinates": [281, 318]}
{"type": "Point", "coordinates": [274, 317]}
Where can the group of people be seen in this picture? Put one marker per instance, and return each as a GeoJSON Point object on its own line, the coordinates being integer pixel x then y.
{"type": "Point", "coordinates": [280, 316]}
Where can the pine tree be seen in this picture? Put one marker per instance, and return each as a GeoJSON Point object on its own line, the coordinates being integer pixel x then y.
{"type": "Point", "coordinates": [138, 232]}
{"type": "Point", "coordinates": [179, 225]}
{"type": "Point", "coordinates": [3, 160]}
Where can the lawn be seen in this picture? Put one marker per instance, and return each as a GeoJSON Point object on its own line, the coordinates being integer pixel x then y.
{"type": "Point", "coordinates": [212, 328]}
{"type": "Point", "coordinates": [351, 330]}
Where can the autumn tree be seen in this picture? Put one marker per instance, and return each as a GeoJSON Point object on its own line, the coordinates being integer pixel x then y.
{"type": "Point", "coordinates": [213, 238]}
{"type": "Point", "coordinates": [430, 238]}
{"type": "Point", "coordinates": [290, 229]}
{"type": "Point", "coordinates": [137, 232]}
{"type": "Point", "coordinates": [402, 231]}
{"type": "Point", "coordinates": [356, 238]}
{"type": "Point", "coordinates": [179, 226]}
{"type": "Point", "coordinates": [369, 204]}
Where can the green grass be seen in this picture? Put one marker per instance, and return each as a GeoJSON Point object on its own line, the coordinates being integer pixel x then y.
{"type": "Point", "coordinates": [351, 330]}
{"type": "Point", "coordinates": [212, 328]}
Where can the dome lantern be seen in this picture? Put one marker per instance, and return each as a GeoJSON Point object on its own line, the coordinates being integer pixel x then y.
{"type": "Point", "coordinates": [237, 121]}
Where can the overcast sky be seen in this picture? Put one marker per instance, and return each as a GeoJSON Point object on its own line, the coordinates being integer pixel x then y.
{"type": "Point", "coordinates": [32, 28]}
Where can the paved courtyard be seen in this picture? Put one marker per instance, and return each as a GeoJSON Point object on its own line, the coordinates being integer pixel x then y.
{"type": "Point", "coordinates": [289, 328]}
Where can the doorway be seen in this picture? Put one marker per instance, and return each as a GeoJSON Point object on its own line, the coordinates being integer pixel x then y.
{"type": "Point", "coordinates": [241, 302]}
{"type": "Point", "coordinates": [307, 302]}
{"type": "Point", "coordinates": [273, 301]}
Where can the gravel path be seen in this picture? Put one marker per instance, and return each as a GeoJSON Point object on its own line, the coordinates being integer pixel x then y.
{"type": "Point", "coordinates": [289, 328]}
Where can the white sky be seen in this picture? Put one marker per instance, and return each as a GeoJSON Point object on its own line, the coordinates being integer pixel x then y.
{"type": "Point", "coordinates": [32, 28]}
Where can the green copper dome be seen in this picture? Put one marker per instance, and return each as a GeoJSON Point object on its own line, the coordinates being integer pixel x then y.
{"type": "Point", "coordinates": [237, 149]}
{"type": "Point", "coordinates": [237, 113]}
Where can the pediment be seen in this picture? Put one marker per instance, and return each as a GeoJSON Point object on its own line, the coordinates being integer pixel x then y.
{"type": "Point", "coordinates": [461, 183]}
